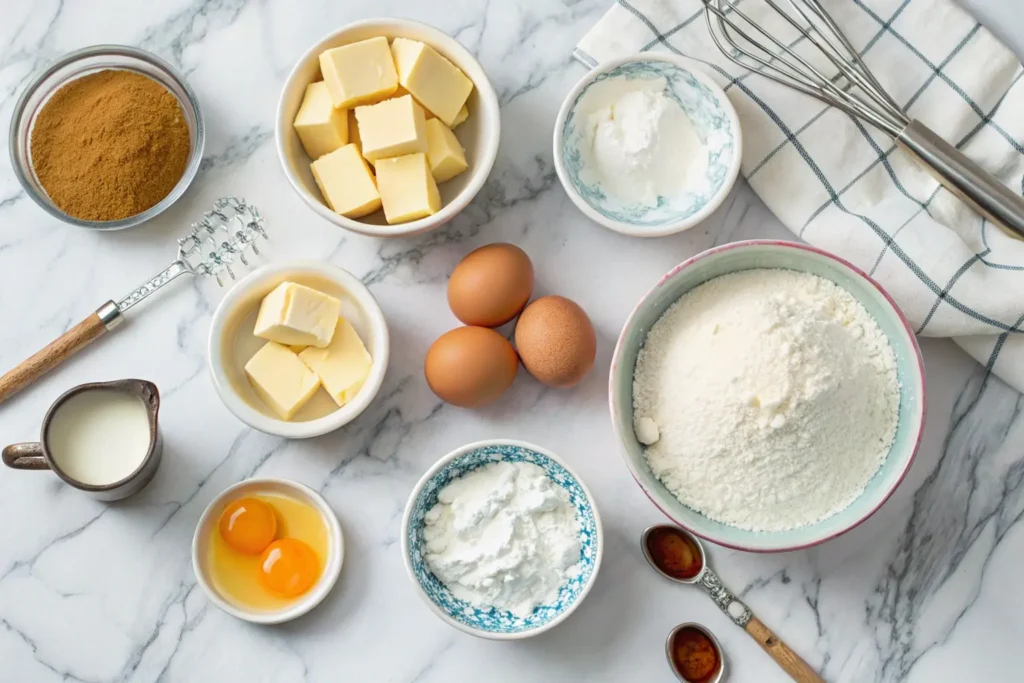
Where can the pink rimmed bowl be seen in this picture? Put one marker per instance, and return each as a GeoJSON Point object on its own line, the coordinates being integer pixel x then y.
{"type": "Point", "coordinates": [739, 256]}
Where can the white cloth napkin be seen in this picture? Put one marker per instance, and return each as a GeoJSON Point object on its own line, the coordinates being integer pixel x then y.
{"type": "Point", "coordinates": [843, 186]}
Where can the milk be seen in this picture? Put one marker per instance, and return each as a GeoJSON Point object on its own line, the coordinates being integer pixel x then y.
{"type": "Point", "coordinates": [99, 436]}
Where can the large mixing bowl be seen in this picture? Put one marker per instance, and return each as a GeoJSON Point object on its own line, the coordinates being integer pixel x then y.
{"type": "Point", "coordinates": [739, 256]}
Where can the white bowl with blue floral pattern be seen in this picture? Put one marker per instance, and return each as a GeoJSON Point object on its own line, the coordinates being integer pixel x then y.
{"type": "Point", "coordinates": [710, 113]}
{"type": "Point", "coordinates": [490, 622]}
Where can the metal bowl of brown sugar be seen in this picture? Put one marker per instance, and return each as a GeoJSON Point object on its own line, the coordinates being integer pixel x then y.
{"type": "Point", "coordinates": [107, 137]}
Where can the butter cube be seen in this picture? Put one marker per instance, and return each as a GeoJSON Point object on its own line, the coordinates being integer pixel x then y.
{"type": "Point", "coordinates": [294, 314]}
{"type": "Point", "coordinates": [281, 380]}
{"type": "Point", "coordinates": [346, 183]}
{"type": "Point", "coordinates": [359, 73]}
{"type": "Point", "coordinates": [320, 126]}
{"type": "Point", "coordinates": [343, 366]}
{"type": "Point", "coordinates": [392, 128]}
{"type": "Point", "coordinates": [460, 117]}
{"type": "Point", "coordinates": [407, 188]}
{"type": "Point", "coordinates": [445, 154]}
{"type": "Point", "coordinates": [353, 131]}
{"type": "Point", "coordinates": [436, 83]}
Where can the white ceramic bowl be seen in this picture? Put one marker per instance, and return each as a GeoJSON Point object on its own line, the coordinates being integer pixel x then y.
{"type": "Point", "coordinates": [332, 565]}
{"type": "Point", "coordinates": [709, 111]}
{"type": "Point", "coordinates": [232, 343]}
{"type": "Point", "coordinates": [740, 256]}
{"type": "Point", "coordinates": [479, 134]}
{"type": "Point", "coordinates": [488, 622]}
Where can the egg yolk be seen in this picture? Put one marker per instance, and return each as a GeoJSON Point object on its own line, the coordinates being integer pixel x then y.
{"type": "Point", "coordinates": [288, 567]}
{"type": "Point", "coordinates": [248, 525]}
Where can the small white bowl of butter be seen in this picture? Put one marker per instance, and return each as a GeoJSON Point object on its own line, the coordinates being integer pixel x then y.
{"type": "Point", "coordinates": [321, 355]}
{"type": "Point", "coordinates": [424, 165]}
{"type": "Point", "coordinates": [647, 145]}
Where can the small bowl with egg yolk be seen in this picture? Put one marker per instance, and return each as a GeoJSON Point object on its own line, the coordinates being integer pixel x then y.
{"type": "Point", "coordinates": [302, 534]}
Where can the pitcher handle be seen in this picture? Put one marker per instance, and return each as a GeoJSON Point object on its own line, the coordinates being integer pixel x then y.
{"type": "Point", "coordinates": [25, 456]}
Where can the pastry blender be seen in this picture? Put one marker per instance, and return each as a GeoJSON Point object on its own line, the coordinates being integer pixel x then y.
{"type": "Point", "coordinates": [216, 242]}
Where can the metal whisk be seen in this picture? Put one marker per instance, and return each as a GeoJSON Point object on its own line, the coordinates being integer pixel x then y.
{"type": "Point", "coordinates": [216, 242]}
{"type": "Point", "coordinates": [856, 91]}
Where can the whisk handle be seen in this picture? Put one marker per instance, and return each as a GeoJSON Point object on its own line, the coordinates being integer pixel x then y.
{"type": "Point", "coordinates": [59, 350]}
{"type": "Point", "coordinates": [981, 190]}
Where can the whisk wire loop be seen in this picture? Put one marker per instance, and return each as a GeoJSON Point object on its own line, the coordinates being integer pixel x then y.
{"type": "Point", "coordinates": [783, 64]}
{"type": "Point", "coordinates": [750, 44]}
{"type": "Point", "coordinates": [221, 236]}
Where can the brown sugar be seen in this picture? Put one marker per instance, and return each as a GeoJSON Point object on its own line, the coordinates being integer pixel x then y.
{"type": "Point", "coordinates": [110, 145]}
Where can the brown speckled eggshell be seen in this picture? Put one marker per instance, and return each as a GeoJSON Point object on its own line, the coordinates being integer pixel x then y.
{"type": "Point", "coordinates": [491, 285]}
{"type": "Point", "coordinates": [556, 341]}
{"type": "Point", "coordinates": [470, 366]}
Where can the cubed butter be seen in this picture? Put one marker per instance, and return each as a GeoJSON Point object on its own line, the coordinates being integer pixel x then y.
{"type": "Point", "coordinates": [353, 131]}
{"type": "Point", "coordinates": [294, 314]}
{"type": "Point", "coordinates": [359, 73]}
{"type": "Point", "coordinates": [320, 126]}
{"type": "Point", "coordinates": [343, 366]}
{"type": "Point", "coordinates": [407, 188]}
{"type": "Point", "coordinates": [445, 154]}
{"type": "Point", "coordinates": [346, 183]}
{"type": "Point", "coordinates": [461, 117]}
{"type": "Point", "coordinates": [436, 83]}
{"type": "Point", "coordinates": [392, 128]}
{"type": "Point", "coordinates": [281, 380]}
{"type": "Point", "coordinates": [297, 348]}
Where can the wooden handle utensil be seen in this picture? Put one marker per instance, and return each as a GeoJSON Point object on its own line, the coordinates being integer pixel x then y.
{"type": "Point", "coordinates": [791, 662]}
{"type": "Point", "coordinates": [59, 350]}
{"type": "Point", "coordinates": [215, 244]}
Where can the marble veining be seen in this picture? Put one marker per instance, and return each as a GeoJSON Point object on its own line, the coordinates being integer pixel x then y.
{"type": "Point", "coordinates": [926, 591]}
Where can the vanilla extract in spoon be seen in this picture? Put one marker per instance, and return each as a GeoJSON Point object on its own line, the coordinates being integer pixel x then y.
{"type": "Point", "coordinates": [679, 556]}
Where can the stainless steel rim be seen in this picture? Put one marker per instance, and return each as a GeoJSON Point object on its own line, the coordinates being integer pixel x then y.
{"type": "Point", "coordinates": [714, 642]}
{"type": "Point", "coordinates": [37, 80]}
{"type": "Point", "coordinates": [650, 560]}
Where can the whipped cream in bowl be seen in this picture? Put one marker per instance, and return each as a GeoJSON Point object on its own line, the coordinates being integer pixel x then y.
{"type": "Point", "coordinates": [647, 145]}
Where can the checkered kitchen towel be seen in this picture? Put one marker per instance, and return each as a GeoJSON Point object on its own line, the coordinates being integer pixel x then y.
{"type": "Point", "coordinates": [843, 186]}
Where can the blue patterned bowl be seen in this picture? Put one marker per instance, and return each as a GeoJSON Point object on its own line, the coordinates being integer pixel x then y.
{"type": "Point", "coordinates": [490, 622]}
{"type": "Point", "coordinates": [706, 106]}
{"type": "Point", "coordinates": [731, 258]}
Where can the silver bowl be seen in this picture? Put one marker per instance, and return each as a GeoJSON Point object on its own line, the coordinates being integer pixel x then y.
{"type": "Point", "coordinates": [80, 63]}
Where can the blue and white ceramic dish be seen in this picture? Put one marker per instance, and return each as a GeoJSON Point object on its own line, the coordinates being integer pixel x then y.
{"type": "Point", "coordinates": [490, 622]}
{"type": "Point", "coordinates": [739, 256]}
{"type": "Point", "coordinates": [709, 111]}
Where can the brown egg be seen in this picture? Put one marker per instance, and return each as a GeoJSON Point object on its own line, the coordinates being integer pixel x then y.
{"type": "Point", "coordinates": [491, 285]}
{"type": "Point", "coordinates": [556, 341]}
{"type": "Point", "coordinates": [470, 366]}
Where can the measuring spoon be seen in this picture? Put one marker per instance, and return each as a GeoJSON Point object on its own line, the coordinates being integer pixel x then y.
{"type": "Point", "coordinates": [679, 556]}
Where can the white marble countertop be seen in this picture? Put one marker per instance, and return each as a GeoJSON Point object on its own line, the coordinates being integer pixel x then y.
{"type": "Point", "coordinates": [925, 591]}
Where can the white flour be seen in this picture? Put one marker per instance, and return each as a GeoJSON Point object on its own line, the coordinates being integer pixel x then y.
{"type": "Point", "coordinates": [504, 536]}
{"type": "Point", "coordinates": [773, 396]}
{"type": "Point", "coordinates": [642, 144]}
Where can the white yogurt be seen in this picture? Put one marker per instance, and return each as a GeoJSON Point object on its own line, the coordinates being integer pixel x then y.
{"type": "Point", "coordinates": [99, 436]}
{"type": "Point", "coordinates": [642, 145]}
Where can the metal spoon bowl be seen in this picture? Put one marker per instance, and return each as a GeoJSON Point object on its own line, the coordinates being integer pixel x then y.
{"type": "Point", "coordinates": [740, 614]}
{"type": "Point", "coordinates": [714, 642]}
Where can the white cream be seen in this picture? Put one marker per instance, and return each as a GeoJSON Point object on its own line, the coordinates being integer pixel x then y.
{"type": "Point", "coordinates": [503, 536]}
{"type": "Point", "coordinates": [642, 144]}
{"type": "Point", "coordinates": [99, 436]}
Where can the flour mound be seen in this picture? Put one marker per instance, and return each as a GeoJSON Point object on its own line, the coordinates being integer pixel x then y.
{"type": "Point", "coordinates": [775, 397]}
